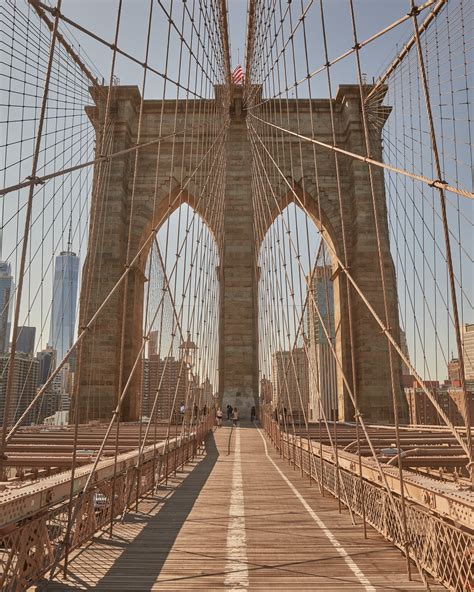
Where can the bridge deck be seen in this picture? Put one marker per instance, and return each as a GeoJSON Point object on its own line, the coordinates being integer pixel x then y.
{"type": "Point", "coordinates": [241, 521]}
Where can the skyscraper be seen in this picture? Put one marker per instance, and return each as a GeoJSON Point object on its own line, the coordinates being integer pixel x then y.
{"type": "Point", "coordinates": [25, 379]}
{"type": "Point", "coordinates": [153, 343]}
{"type": "Point", "coordinates": [63, 314]}
{"type": "Point", "coordinates": [6, 290]}
{"type": "Point", "coordinates": [321, 333]}
{"type": "Point", "coordinates": [454, 372]}
{"type": "Point", "coordinates": [25, 342]}
{"type": "Point", "coordinates": [404, 348]}
{"type": "Point", "coordinates": [47, 362]}
{"type": "Point", "coordinates": [167, 379]}
{"type": "Point", "coordinates": [468, 350]}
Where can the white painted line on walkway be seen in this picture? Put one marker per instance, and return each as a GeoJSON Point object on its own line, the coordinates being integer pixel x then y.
{"type": "Point", "coordinates": [237, 573]}
{"type": "Point", "coordinates": [335, 543]}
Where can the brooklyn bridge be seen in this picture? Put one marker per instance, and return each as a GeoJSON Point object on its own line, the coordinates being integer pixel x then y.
{"type": "Point", "coordinates": [236, 295]}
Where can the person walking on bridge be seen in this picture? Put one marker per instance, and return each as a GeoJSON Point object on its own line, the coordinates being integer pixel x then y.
{"type": "Point", "coordinates": [229, 411]}
{"type": "Point", "coordinates": [219, 417]}
{"type": "Point", "coordinates": [235, 416]}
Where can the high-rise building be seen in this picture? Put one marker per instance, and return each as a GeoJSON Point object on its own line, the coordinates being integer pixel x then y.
{"type": "Point", "coordinates": [63, 314]}
{"type": "Point", "coordinates": [24, 387]}
{"type": "Point", "coordinates": [25, 342]}
{"type": "Point", "coordinates": [454, 372]}
{"type": "Point", "coordinates": [168, 380]}
{"type": "Point", "coordinates": [291, 382]}
{"type": "Point", "coordinates": [47, 363]}
{"type": "Point", "coordinates": [468, 350]}
{"type": "Point", "coordinates": [153, 343]}
{"type": "Point", "coordinates": [450, 399]}
{"type": "Point", "coordinates": [321, 334]}
{"type": "Point", "coordinates": [457, 403]}
{"type": "Point", "coordinates": [55, 398]}
{"type": "Point", "coordinates": [404, 348]}
{"type": "Point", "coordinates": [6, 292]}
{"type": "Point", "coordinates": [421, 410]}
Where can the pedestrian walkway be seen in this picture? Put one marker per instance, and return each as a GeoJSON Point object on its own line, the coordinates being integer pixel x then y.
{"type": "Point", "coordinates": [239, 521]}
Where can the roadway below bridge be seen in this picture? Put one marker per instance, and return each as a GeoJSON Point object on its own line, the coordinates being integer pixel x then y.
{"type": "Point", "coordinates": [238, 518]}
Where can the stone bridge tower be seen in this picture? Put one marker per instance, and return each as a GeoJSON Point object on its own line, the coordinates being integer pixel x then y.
{"type": "Point", "coordinates": [238, 272]}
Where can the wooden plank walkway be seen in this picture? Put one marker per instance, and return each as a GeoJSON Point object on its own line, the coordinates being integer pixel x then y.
{"type": "Point", "coordinates": [244, 521]}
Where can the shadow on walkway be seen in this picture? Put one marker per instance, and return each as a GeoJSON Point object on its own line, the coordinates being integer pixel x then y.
{"type": "Point", "coordinates": [167, 524]}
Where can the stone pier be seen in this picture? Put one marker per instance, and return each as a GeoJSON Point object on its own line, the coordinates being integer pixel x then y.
{"type": "Point", "coordinates": [99, 377]}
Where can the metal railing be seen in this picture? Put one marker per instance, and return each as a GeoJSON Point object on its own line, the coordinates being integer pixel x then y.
{"type": "Point", "coordinates": [442, 549]}
{"type": "Point", "coordinates": [30, 547]}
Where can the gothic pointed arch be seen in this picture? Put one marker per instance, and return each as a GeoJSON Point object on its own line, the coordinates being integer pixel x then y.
{"type": "Point", "coordinates": [303, 194]}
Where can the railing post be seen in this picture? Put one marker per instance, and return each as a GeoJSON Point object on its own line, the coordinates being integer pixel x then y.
{"type": "Point", "coordinates": [321, 459]}
{"type": "Point", "coordinates": [167, 454]}
{"type": "Point", "coordinates": [301, 457]}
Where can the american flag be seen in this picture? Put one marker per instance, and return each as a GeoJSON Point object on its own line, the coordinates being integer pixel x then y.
{"type": "Point", "coordinates": [238, 75]}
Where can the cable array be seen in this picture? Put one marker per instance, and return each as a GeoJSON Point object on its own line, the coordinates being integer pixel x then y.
{"type": "Point", "coordinates": [80, 259]}
{"type": "Point", "coordinates": [112, 242]}
{"type": "Point", "coordinates": [54, 219]}
{"type": "Point", "coordinates": [314, 300]}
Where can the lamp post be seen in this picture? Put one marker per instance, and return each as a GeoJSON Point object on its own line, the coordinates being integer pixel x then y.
{"type": "Point", "coordinates": [187, 351]}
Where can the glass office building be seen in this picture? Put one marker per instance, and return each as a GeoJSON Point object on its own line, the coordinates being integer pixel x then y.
{"type": "Point", "coordinates": [6, 305]}
{"type": "Point", "coordinates": [63, 313]}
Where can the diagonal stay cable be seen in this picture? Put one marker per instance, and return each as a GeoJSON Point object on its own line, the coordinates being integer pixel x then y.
{"type": "Point", "coordinates": [117, 285]}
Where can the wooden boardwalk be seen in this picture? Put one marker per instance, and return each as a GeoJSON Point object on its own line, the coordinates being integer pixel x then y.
{"type": "Point", "coordinates": [243, 521]}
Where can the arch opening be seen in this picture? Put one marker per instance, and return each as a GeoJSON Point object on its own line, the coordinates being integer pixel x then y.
{"type": "Point", "coordinates": [180, 318]}
{"type": "Point", "coordinates": [299, 317]}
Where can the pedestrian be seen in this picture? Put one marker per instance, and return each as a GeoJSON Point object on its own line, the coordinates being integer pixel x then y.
{"type": "Point", "coordinates": [253, 414]}
{"type": "Point", "coordinates": [229, 411]}
{"type": "Point", "coordinates": [235, 417]}
{"type": "Point", "coordinates": [219, 417]}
